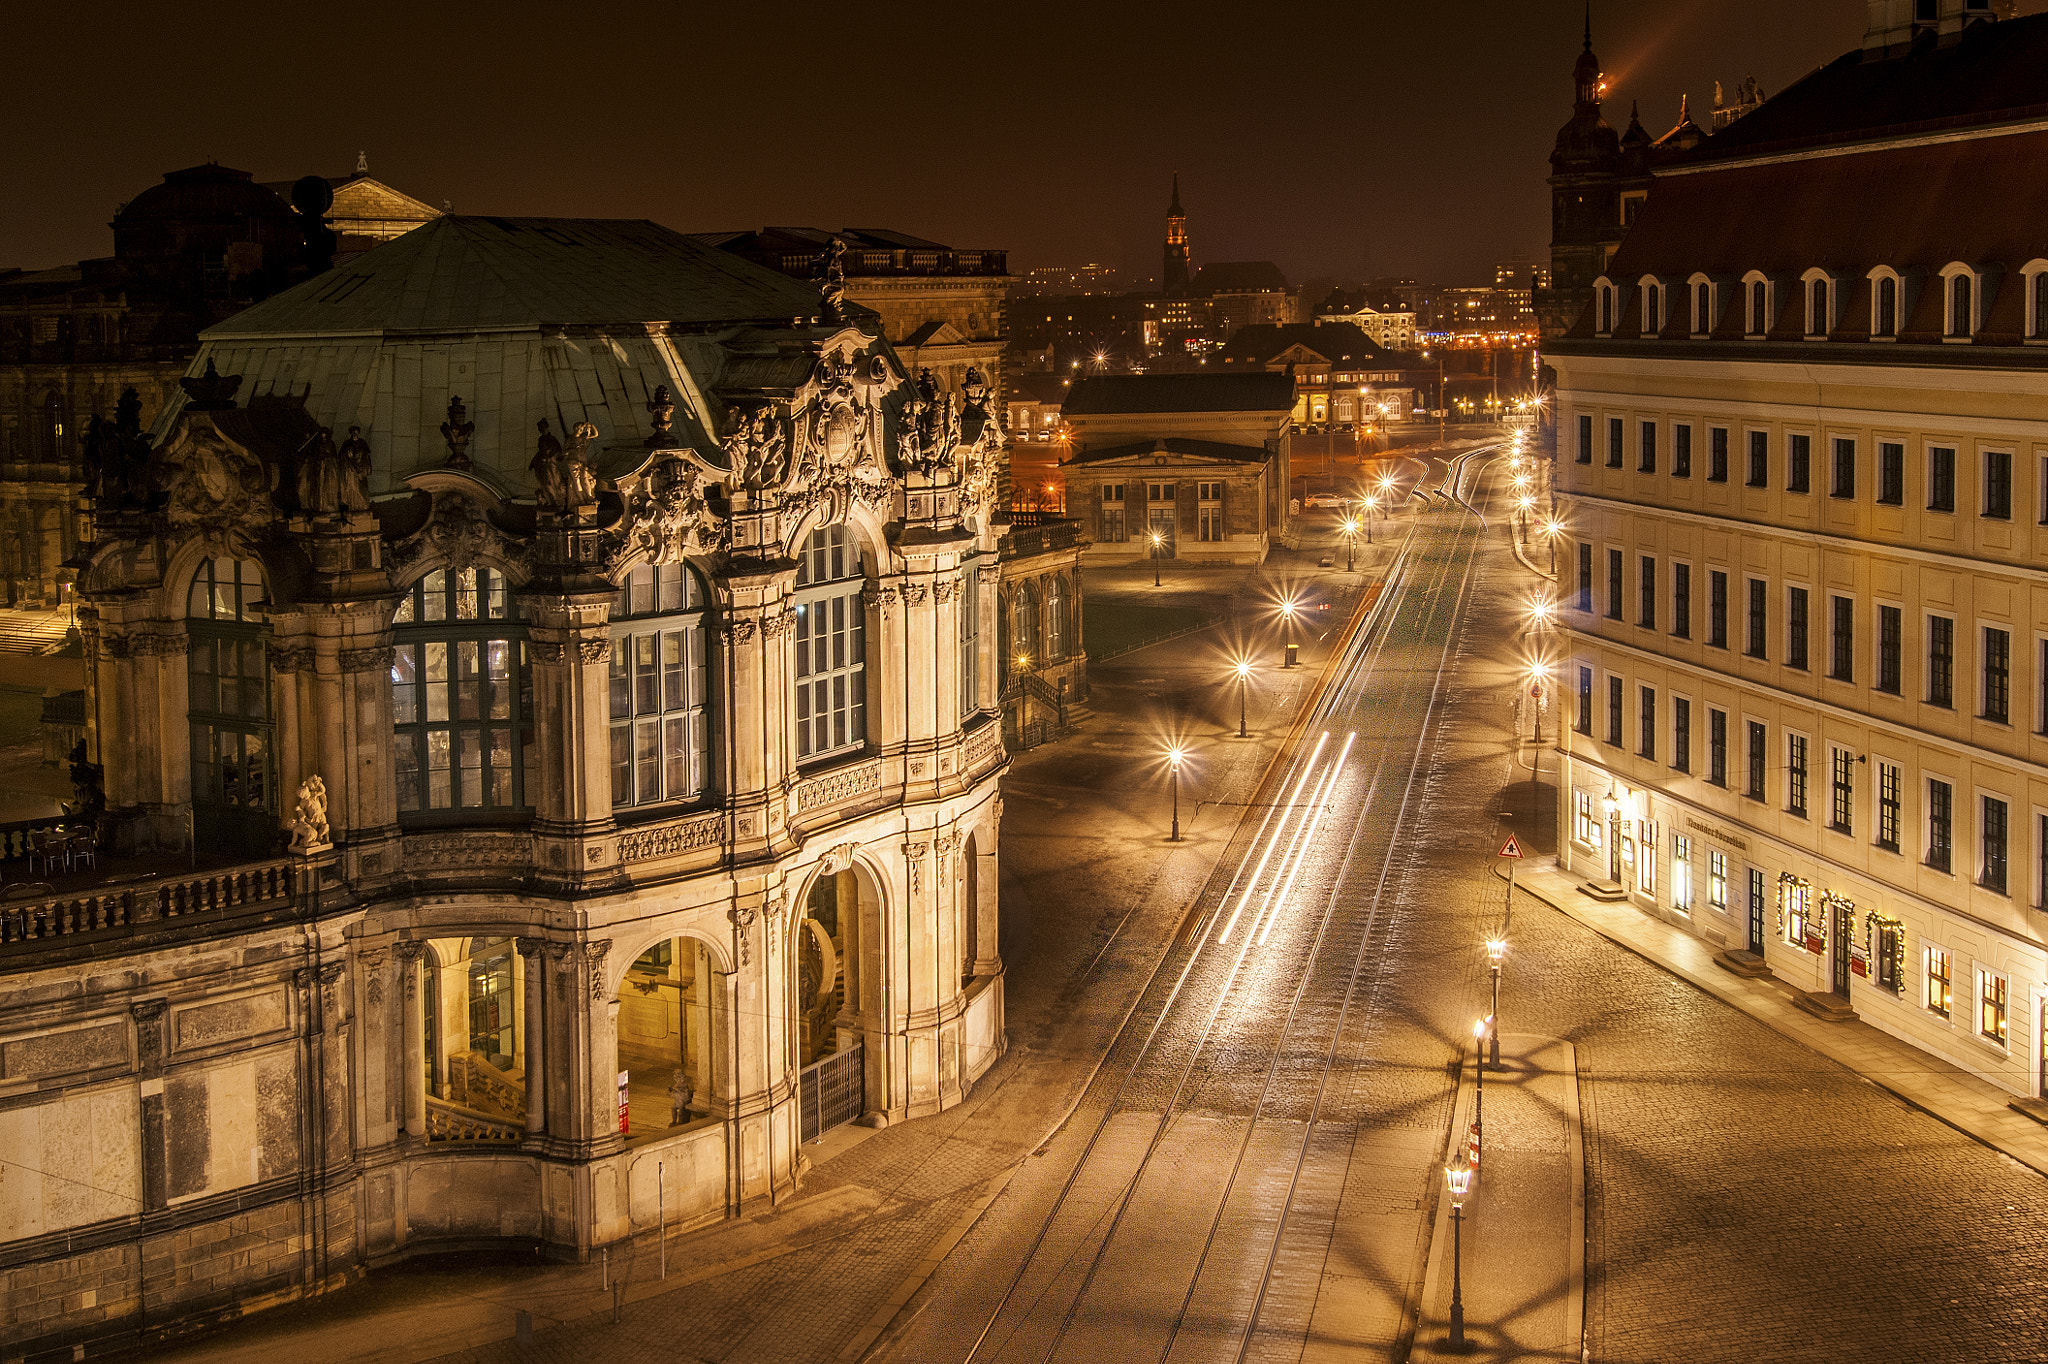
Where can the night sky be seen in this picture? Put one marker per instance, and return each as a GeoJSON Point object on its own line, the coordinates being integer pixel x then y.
{"type": "Point", "coordinates": [1364, 138]}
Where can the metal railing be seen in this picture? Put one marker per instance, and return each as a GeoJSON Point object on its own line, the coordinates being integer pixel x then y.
{"type": "Point", "coordinates": [831, 1091]}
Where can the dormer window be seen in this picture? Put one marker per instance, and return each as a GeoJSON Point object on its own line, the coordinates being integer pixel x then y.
{"type": "Point", "coordinates": [1820, 311]}
{"type": "Point", "coordinates": [1702, 306]}
{"type": "Point", "coordinates": [1884, 304]}
{"type": "Point", "coordinates": [1606, 291]}
{"type": "Point", "coordinates": [1653, 307]}
{"type": "Point", "coordinates": [1758, 306]}
{"type": "Point", "coordinates": [2034, 292]}
{"type": "Point", "coordinates": [1960, 300]}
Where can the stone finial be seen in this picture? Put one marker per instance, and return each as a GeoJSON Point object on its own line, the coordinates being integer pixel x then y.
{"type": "Point", "coordinates": [211, 391]}
{"type": "Point", "coordinates": [456, 431]}
{"type": "Point", "coordinates": [832, 277]}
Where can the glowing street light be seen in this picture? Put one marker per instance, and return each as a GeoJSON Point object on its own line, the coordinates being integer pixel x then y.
{"type": "Point", "coordinates": [1372, 504]}
{"type": "Point", "coordinates": [1157, 541]}
{"type": "Point", "coordinates": [1350, 543]}
{"type": "Point", "coordinates": [1496, 948]}
{"type": "Point", "coordinates": [1611, 805]}
{"type": "Point", "coordinates": [1479, 1032]}
{"type": "Point", "coordinates": [1173, 757]}
{"type": "Point", "coordinates": [1459, 1175]}
{"type": "Point", "coordinates": [1551, 530]}
{"type": "Point", "coordinates": [1244, 672]}
{"type": "Point", "coordinates": [1287, 615]}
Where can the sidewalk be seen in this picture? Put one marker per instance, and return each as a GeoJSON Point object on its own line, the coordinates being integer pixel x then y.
{"type": "Point", "coordinates": [1522, 1249]}
{"type": "Point", "coordinates": [1972, 1106]}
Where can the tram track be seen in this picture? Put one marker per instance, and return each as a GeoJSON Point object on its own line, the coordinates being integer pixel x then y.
{"type": "Point", "coordinates": [1210, 1083]}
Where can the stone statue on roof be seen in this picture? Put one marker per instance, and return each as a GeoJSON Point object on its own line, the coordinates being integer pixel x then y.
{"type": "Point", "coordinates": [333, 481]}
{"type": "Point", "coordinates": [563, 482]}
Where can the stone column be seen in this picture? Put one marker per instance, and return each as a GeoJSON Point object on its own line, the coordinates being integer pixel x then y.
{"type": "Point", "coordinates": [414, 1120]}
{"type": "Point", "coordinates": [531, 1004]}
{"type": "Point", "coordinates": [570, 635]}
{"type": "Point", "coordinates": [354, 725]}
{"type": "Point", "coordinates": [149, 1058]}
{"type": "Point", "coordinates": [987, 903]}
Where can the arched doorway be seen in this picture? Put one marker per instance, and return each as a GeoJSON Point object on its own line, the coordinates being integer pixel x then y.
{"type": "Point", "coordinates": [665, 1048]}
{"type": "Point", "coordinates": [828, 998]}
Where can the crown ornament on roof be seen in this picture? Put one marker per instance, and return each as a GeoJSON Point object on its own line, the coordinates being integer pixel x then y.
{"type": "Point", "coordinates": [211, 391]}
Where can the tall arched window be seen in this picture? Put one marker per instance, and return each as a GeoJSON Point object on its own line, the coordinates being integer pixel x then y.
{"type": "Point", "coordinates": [1653, 321]}
{"type": "Point", "coordinates": [1820, 319]}
{"type": "Point", "coordinates": [1886, 322]}
{"type": "Point", "coordinates": [831, 646]}
{"type": "Point", "coordinates": [660, 738]}
{"type": "Point", "coordinates": [1759, 299]}
{"type": "Point", "coordinates": [1962, 318]}
{"type": "Point", "coordinates": [1702, 310]}
{"type": "Point", "coordinates": [1057, 634]}
{"type": "Point", "coordinates": [462, 697]}
{"type": "Point", "coordinates": [970, 641]}
{"type": "Point", "coordinates": [1024, 626]}
{"type": "Point", "coordinates": [1606, 309]}
{"type": "Point", "coordinates": [234, 780]}
{"type": "Point", "coordinates": [2037, 328]}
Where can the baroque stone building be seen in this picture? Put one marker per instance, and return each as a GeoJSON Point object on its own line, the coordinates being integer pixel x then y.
{"type": "Point", "coordinates": [1804, 469]}
{"type": "Point", "coordinates": [609, 623]}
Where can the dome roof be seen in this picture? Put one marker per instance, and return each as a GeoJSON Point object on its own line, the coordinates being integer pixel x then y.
{"type": "Point", "coordinates": [203, 192]}
{"type": "Point", "coordinates": [1588, 142]}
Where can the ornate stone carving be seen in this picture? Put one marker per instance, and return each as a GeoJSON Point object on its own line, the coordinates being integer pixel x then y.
{"type": "Point", "coordinates": [211, 391]}
{"type": "Point", "coordinates": [563, 482]}
{"type": "Point", "coordinates": [666, 517]}
{"type": "Point", "coordinates": [837, 429]}
{"type": "Point", "coordinates": [291, 658]}
{"type": "Point", "coordinates": [914, 592]}
{"type": "Point", "coordinates": [116, 646]}
{"type": "Point", "coordinates": [743, 917]}
{"type": "Point", "coordinates": [945, 845]}
{"type": "Point", "coordinates": [984, 745]}
{"type": "Point", "coordinates": [913, 856]}
{"type": "Point", "coordinates": [977, 460]}
{"type": "Point", "coordinates": [758, 446]}
{"type": "Point", "coordinates": [838, 859]}
{"type": "Point", "coordinates": [429, 852]}
{"type": "Point", "coordinates": [672, 840]}
{"type": "Point", "coordinates": [371, 963]}
{"type": "Point", "coordinates": [741, 628]}
{"type": "Point", "coordinates": [593, 650]}
{"type": "Point", "coordinates": [548, 651]}
{"type": "Point", "coordinates": [840, 784]}
{"type": "Point", "coordinates": [780, 624]}
{"type": "Point", "coordinates": [457, 532]}
{"type": "Point", "coordinates": [565, 967]}
{"type": "Point", "coordinates": [208, 481]}
{"type": "Point", "coordinates": [332, 481]}
{"type": "Point", "coordinates": [873, 595]}
{"type": "Point", "coordinates": [594, 954]}
{"type": "Point", "coordinates": [330, 976]}
{"type": "Point", "coordinates": [530, 947]}
{"type": "Point", "coordinates": [945, 589]}
{"type": "Point", "coordinates": [309, 824]}
{"type": "Point", "coordinates": [154, 644]}
{"type": "Point", "coordinates": [456, 431]}
{"type": "Point", "coordinates": [409, 954]}
{"type": "Point", "coordinates": [372, 660]}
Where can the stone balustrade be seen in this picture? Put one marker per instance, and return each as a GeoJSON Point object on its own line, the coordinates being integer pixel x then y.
{"type": "Point", "coordinates": [452, 1122]}
{"type": "Point", "coordinates": [250, 886]}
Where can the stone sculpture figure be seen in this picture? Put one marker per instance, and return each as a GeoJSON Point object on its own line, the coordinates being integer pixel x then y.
{"type": "Point", "coordinates": [332, 481]}
{"type": "Point", "coordinates": [309, 823]}
{"type": "Point", "coordinates": [563, 482]}
{"type": "Point", "coordinates": [456, 431]}
{"type": "Point", "coordinates": [661, 414]}
{"type": "Point", "coordinates": [758, 449]}
{"type": "Point", "coordinates": [353, 472]}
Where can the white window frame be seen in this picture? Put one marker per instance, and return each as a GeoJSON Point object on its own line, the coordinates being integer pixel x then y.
{"type": "Point", "coordinates": [1702, 328]}
{"type": "Point", "coordinates": [2035, 332]}
{"type": "Point", "coordinates": [1681, 873]}
{"type": "Point", "coordinates": [1981, 976]}
{"type": "Point", "coordinates": [649, 682]}
{"type": "Point", "coordinates": [1755, 328]}
{"type": "Point", "coordinates": [1884, 272]}
{"type": "Point", "coordinates": [1950, 273]}
{"type": "Point", "coordinates": [1945, 1007]}
{"type": "Point", "coordinates": [1717, 880]}
{"type": "Point", "coordinates": [1831, 302]}
{"type": "Point", "coordinates": [1603, 306]}
{"type": "Point", "coordinates": [1649, 320]}
{"type": "Point", "coordinates": [848, 590]}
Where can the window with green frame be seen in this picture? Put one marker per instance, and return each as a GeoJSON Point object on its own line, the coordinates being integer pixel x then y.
{"type": "Point", "coordinates": [462, 697]}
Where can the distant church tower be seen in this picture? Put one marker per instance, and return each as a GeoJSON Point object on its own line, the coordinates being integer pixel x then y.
{"type": "Point", "coordinates": [1173, 272]}
{"type": "Point", "coordinates": [1597, 179]}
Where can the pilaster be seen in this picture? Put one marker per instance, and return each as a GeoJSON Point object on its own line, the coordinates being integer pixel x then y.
{"type": "Point", "coordinates": [569, 628]}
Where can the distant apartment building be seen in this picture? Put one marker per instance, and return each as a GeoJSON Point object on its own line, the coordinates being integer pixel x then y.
{"type": "Point", "coordinates": [1341, 376]}
{"type": "Point", "coordinates": [1803, 462]}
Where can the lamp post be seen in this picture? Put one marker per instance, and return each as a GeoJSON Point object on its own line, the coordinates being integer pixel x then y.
{"type": "Point", "coordinates": [1479, 1032]}
{"type": "Point", "coordinates": [1350, 544]}
{"type": "Point", "coordinates": [1156, 541]}
{"type": "Point", "coordinates": [1496, 948]}
{"type": "Point", "coordinates": [1459, 1174]}
{"type": "Point", "coordinates": [1244, 672]}
{"type": "Point", "coordinates": [1287, 638]}
{"type": "Point", "coordinates": [1551, 530]}
{"type": "Point", "coordinates": [1173, 757]}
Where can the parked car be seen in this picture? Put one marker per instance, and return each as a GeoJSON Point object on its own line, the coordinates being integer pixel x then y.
{"type": "Point", "coordinates": [1322, 500]}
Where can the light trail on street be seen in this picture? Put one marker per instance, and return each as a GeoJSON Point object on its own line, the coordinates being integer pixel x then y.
{"type": "Point", "coordinates": [1193, 1155]}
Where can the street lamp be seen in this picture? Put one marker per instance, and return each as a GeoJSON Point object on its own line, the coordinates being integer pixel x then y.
{"type": "Point", "coordinates": [1287, 637]}
{"type": "Point", "coordinates": [1173, 757]}
{"type": "Point", "coordinates": [1157, 540]}
{"type": "Point", "coordinates": [1459, 1175]}
{"type": "Point", "coordinates": [1551, 530]}
{"type": "Point", "coordinates": [1372, 504]}
{"type": "Point", "coordinates": [1479, 1031]}
{"type": "Point", "coordinates": [1244, 672]}
{"type": "Point", "coordinates": [1350, 544]}
{"type": "Point", "coordinates": [1496, 948]}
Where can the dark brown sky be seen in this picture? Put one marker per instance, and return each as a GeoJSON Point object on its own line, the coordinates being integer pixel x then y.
{"type": "Point", "coordinates": [1370, 136]}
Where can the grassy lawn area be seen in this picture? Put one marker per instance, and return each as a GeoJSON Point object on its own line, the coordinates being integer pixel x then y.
{"type": "Point", "coordinates": [1116, 627]}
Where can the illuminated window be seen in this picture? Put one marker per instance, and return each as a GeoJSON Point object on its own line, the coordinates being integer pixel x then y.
{"type": "Point", "coordinates": [1991, 1006]}
{"type": "Point", "coordinates": [831, 646]}
{"type": "Point", "coordinates": [659, 682]}
{"type": "Point", "coordinates": [233, 770]}
{"type": "Point", "coordinates": [1939, 980]}
{"type": "Point", "coordinates": [461, 696]}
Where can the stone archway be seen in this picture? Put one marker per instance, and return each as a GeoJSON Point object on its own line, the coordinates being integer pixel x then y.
{"type": "Point", "coordinates": [666, 1044]}
{"type": "Point", "coordinates": [835, 992]}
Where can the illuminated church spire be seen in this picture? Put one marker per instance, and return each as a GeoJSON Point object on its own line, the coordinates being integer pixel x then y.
{"type": "Point", "coordinates": [1173, 274]}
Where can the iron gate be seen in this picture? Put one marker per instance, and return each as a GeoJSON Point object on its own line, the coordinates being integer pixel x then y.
{"type": "Point", "coordinates": [830, 1092]}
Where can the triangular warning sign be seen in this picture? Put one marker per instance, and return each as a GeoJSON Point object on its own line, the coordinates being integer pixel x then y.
{"type": "Point", "coordinates": [1510, 848]}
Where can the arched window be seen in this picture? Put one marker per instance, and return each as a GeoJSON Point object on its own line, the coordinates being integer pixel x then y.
{"type": "Point", "coordinates": [1759, 299]}
{"type": "Point", "coordinates": [1056, 631]}
{"type": "Point", "coordinates": [1024, 627]}
{"type": "Point", "coordinates": [661, 749]}
{"type": "Point", "coordinates": [2037, 312]}
{"type": "Point", "coordinates": [462, 697]}
{"type": "Point", "coordinates": [1819, 318]}
{"type": "Point", "coordinates": [831, 646]}
{"type": "Point", "coordinates": [1703, 309]}
{"type": "Point", "coordinates": [234, 779]}
{"type": "Point", "coordinates": [1962, 317]}
{"type": "Point", "coordinates": [970, 641]}
{"type": "Point", "coordinates": [1885, 322]}
{"type": "Point", "coordinates": [1606, 309]}
{"type": "Point", "coordinates": [1653, 320]}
